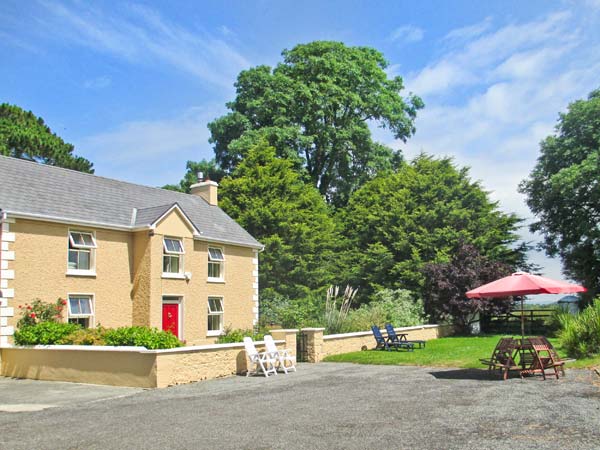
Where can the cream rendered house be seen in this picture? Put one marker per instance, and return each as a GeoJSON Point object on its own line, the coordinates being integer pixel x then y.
{"type": "Point", "coordinates": [123, 254]}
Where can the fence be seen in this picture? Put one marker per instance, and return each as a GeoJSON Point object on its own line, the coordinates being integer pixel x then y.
{"type": "Point", "coordinates": [536, 321]}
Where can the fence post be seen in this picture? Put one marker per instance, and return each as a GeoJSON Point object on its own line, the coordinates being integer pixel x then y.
{"type": "Point", "coordinates": [314, 343]}
{"type": "Point", "coordinates": [289, 336]}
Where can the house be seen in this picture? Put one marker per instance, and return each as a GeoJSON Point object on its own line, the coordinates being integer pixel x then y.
{"type": "Point", "coordinates": [123, 254]}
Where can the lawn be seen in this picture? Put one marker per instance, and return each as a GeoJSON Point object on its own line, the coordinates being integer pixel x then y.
{"type": "Point", "coordinates": [461, 352]}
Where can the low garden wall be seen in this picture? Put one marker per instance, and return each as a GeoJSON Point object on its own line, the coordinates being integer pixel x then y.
{"type": "Point", "coordinates": [139, 367]}
{"type": "Point", "coordinates": [319, 346]}
{"type": "Point", "coordinates": [131, 366]}
{"type": "Point", "coordinates": [334, 344]}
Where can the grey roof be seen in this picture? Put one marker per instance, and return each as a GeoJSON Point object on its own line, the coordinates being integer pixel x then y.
{"type": "Point", "coordinates": [35, 189]}
{"type": "Point", "coordinates": [147, 216]}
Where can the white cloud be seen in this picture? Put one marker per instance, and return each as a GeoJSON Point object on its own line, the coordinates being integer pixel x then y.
{"type": "Point", "coordinates": [468, 32]}
{"type": "Point", "coordinates": [226, 31]}
{"type": "Point", "coordinates": [141, 35]}
{"type": "Point", "coordinates": [407, 34]}
{"type": "Point", "coordinates": [97, 83]}
{"type": "Point", "coordinates": [472, 62]}
{"type": "Point", "coordinates": [143, 151]}
{"type": "Point", "coordinates": [493, 98]}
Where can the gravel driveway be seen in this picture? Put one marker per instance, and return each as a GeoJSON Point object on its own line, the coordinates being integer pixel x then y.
{"type": "Point", "coordinates": [327, 405]}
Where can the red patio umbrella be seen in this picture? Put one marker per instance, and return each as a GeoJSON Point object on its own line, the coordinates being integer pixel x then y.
{"type": "Point", "coordinates": [521, 284]}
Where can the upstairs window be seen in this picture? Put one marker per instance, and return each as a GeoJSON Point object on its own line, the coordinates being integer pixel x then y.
{"type": "Point", "coordinates": [215, 315]}
{"type": "Point", "coordinates": [82, 248]}
{"type": "Point", "coordinates": [81, 310]}
{"type": "Point", "coordinates": [215, 264]}
{"type": "Point", "coordinates": [172, 255]}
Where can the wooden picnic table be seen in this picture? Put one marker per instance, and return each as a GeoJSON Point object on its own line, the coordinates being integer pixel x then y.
{"type": "Point", "coordinates": [535, 355]}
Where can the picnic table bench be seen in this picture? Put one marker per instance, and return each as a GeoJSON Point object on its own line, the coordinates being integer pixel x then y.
{"type": "Point", "coordinates": [536, 355]}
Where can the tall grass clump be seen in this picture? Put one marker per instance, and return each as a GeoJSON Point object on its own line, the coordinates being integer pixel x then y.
{"type": "Point", "coordinates": [580, 334]}
{"type": "Point", "coordinates": [336, 308]}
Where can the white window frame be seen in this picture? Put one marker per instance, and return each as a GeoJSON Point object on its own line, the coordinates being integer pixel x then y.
{"type": "Point", "coordinates": [211, 313]}
{"type": "Point", "coordinates": [171, 254]}
{"type": "Point", "coordinates": [91, 316]}
{"type": "Point", "coordinates": [73, 246]}
{"type": "Point", "coordinates": [216, 261]}
{"type": "Point", "coordinates": [177, 300]}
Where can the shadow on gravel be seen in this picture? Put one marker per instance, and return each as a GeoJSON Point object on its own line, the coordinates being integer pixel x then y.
{"type": "Point", "coordinates": [467, 374]}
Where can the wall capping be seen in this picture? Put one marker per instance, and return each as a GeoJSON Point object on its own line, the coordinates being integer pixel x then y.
{"type": "Point", "coordinates": [370, 333]}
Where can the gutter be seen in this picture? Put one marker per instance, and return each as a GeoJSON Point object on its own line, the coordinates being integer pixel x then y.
{"type": "Point", "coordinates": [108, 226]}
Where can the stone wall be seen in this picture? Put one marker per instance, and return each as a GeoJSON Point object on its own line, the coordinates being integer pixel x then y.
{"type": "Point", "coordinates": [320, 346]}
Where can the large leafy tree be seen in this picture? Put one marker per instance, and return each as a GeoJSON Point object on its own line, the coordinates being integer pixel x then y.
{"type": "Point", "coordinates": [270, 200]}
{"type": "Point", "coordinates": [23, 135]}
{"type": "Point", "coordinates": [563, 191]}
{"type": "Point", "coordinates": [399, 222]}
{"type": "Point", "coordinates": [447, 282]}
{"type": "Point", "coordinates": [315, 107]}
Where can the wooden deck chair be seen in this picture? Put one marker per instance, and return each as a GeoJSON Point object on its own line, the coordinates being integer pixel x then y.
{"type": "Point", "coordinates": [264, 361]}
{"type": "Point", "coordinates": [393, 337]}
{"type": "Point", "coordinates": [285, 360]}
{"type": "Point", "coordinates": [503, 357]}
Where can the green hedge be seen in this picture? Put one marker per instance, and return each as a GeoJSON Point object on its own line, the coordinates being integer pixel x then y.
{"type": "Point", "coordinates": [52, 333]}
{"type": "Point", "coordinates": [151, 338]}
{"type": "Point", "coordinates": [44, 333]}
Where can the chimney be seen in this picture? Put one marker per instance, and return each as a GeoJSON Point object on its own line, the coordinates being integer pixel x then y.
{"type": "Point", "coordinates": [207, 190]}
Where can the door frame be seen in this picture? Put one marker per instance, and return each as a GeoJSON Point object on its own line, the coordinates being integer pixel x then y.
{"type": "Point", "coordinates": [174, 299]}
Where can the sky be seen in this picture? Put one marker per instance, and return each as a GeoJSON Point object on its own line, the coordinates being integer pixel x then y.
{"type": "Point", "coordinates": [133, 84]}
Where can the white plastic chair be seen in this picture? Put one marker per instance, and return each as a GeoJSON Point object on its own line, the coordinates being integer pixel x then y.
{"type": "Point", "coordinates": [265, 361]}
{"type": "Point", "coordinates": [283, 356]}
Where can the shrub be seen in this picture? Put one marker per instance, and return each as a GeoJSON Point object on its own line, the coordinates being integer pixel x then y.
{"type": "Point", "coordinates": [237, 335]}
{"type": "Point", "coordinates": [151, 338]}
{"type": "Point", "coordinates": [39, 311]}
{"type": "Point", "coordinates": [291, 313]}
{"type": "Point", "coordinates": [580, 334]}
{"type": "Point", "coordinates": [402, 307]}
{"type": "Point", "coordinates": [398, 307]}
{"type": "Point", "coordinates": [85, 336]}
{"type": "Point", "coordinates": [44, 333]}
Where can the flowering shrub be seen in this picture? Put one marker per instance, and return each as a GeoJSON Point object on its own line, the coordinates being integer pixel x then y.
{"type": "Point", "coordinates": [39, 311]}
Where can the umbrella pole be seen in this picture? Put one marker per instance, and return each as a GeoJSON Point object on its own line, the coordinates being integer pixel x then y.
{"type": "Point", "coordinates": [522, 320]}
{"type": "Point", "coordinates": [522, 334]}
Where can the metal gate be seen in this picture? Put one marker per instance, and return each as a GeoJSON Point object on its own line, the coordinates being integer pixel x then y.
{"type": "Point", "coordinates": [301, 350]}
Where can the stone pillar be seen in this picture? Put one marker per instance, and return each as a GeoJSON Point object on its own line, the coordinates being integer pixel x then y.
{"type": "Point", "coordinates": [314, 343]}
{"type": "Point", "coordinates": [289, 336]}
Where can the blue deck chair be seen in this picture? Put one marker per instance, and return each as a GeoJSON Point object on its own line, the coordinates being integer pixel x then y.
{"type": "Point", "coordinates": [393, 337]}
{"type": "Point", "coordinates": [386, 344]}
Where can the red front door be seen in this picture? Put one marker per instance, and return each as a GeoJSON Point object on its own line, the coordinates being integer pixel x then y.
{"type": "Point", "coordinates": [170, 318]}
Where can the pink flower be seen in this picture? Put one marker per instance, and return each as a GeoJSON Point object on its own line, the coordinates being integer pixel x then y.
{"type": "Point", "coordinates": [32, 315]}
{"type": "Point", "coordinates": [64, 302]}
{"type": "Point", "coordinates": [28, 307]}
